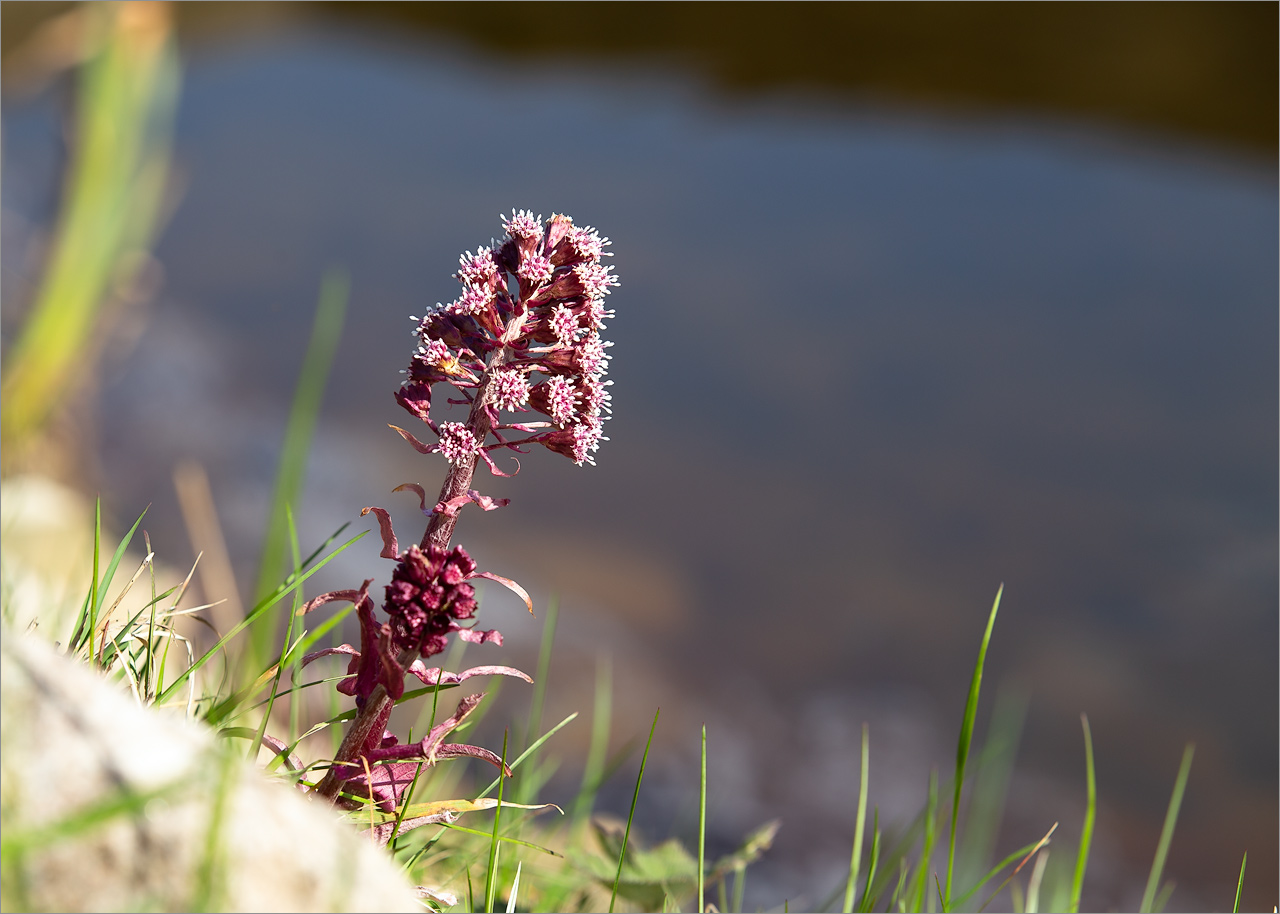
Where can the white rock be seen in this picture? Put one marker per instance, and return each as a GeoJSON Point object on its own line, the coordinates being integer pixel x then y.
{"type": "Point", "coordinates": [71, 740]}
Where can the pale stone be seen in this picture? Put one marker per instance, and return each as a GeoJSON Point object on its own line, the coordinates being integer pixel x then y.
{"type": "Point", "coordinates": [72, 740]}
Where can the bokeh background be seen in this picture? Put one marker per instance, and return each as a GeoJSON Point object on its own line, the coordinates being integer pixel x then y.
{"type": "Point", "coordinates": [916, 299]}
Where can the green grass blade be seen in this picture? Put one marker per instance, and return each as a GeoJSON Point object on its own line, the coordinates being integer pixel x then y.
{"type": "Point", "coordinates": [1090, 809]}
{"type": "Point", "coordinates": [739, 887]}
{"type": "Point", "coordinates": [127, 87]}
{"type": "Point", "coordinates": [702, 825]}
{"type": "Point", "coordinates": [20, 839]}
{"type": "Point", "coordinates": [285, 644]}
{"type": "Point", "coordinates": [326, 331]}
{"type": "Point", "coordinates": [1235, 907]}
{"type": "Point", "coordinates": [1032, 905]}
{"type": "Point", "coordinates": [505, 839]}
{"type": "Point", "coordinates": [855, 860]}
{"type": "Point", "coordinates": [1017, 869]}
{"type": "Point", "coordinates": [290, 584]}
{"type": "Point", "coordinates": [626, 835]}
{"type": "Point", "coordinates": [995, 871]}
{"type": "Point", "coordinates": [529, 752]}
{"type": "Point", "coordinates": [88, 611]}
{"type": "Point", "coordinates": [544, 667]}
{"type": "Point", "coordinates": [491, 879]}
{"type": "Point", "coordinates": [868, 897]}
{"type": "Point", "coordinates": [515, 890]}
{"type": "Point", "coordinates": [1166, 833]}
{"type": "Point", "coordinates": [920, 899]}
{"type": "Point", "coordinates": [992, 771]}
{"type": "Point", "coordinates": [1162, 898]}
{"type": "Point", "coordinates": [966, 738]}
{"type": "Point", "coordinates": [593, 771]}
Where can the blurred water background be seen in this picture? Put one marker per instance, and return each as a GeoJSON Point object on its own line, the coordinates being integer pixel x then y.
{"type": "Point", "coordinates": [915, 300]}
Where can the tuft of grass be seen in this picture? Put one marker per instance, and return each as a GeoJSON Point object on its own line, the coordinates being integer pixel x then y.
{"type": "Point", "coordinates": [1149, 899]}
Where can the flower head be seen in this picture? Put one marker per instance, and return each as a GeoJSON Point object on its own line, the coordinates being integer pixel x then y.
{"type": "Point", "coordinates": [427, 596]}
{"type": "Point", "coordinates": [524, 332]}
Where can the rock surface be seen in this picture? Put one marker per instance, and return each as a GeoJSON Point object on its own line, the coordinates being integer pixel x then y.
{"type": "Point", "coordinates": [196, 826]}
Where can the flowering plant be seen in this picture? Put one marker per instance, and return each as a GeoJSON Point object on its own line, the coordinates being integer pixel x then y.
{"type": "Point", "coordinates": [523, 336]}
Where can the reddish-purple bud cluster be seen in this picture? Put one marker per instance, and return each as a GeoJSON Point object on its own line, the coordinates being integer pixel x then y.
{"type": "Point", "coordinates": [524, 334]}
{"type": "Point", "coordinates": [427, 595]}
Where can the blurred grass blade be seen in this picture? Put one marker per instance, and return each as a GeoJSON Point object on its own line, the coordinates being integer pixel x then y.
{"type": "Point", "coordinates": [326, 331]}
{"type": "Point", "coordinates": [626, 835]}
{"type": "Point", "coordinates": [593, 771]}
{"type": "Point", "coordinates": [544, 666]}
{"type": "Point", "coordinates": [966, 738]}
{"type": "Point", "coordinates": [1020, 853]}
{"type": "Point", "coordinates": [855, 860]}
{"type": "Point", "coordinates": [921, 897]}
{"type": "Point", "coordinates": [1091, 802]}
{"type": "Point", "coordinates": [1235, 907]}
{"type": "Point", "coordinates": [109, 214]}
{"type": "Point", "coordinates": [515, 890]}
{"type": "Point", "coordinates": [266, 603]}
{"type": "Point", "coordinates": [1017, 869]}
{"type": "Point", "coordinates": [868, 898]}
{"type": "Point", "coordinates": [1166, 833]}
{"type": "Point", "coordinates": [491, 880]}
{"type": "Point", "coordinates": [702, 825]}
{"type": "Point", "coordinates": [989, 784]}
{"type": "Point", "coordinates": [286, 642]}
{"type": "Point", "coordinates": [1033, 884]}
{"type": "Point", "coordinates": [100, 587]}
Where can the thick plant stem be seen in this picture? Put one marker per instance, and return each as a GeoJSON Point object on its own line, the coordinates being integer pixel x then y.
{"type": "Point", "coordinates": [379, 703]}
{"type": "Point", "coordinates": [440, 527]}
{"type": "Point", "coordinates": [439, 532]}
{"type": "Point", "coordinates": [376, 712]}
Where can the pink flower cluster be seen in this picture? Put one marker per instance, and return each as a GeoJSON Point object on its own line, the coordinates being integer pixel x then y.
{"type": "Point", "coordinates": [523, 335]}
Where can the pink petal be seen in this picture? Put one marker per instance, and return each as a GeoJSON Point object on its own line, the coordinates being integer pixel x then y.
{"type": "Point", "coordinates": [390, 547]}
{"type": "Point", "coordinates": [316, 655]}
{"type": "Point", "coordinates": [507, 583]}
{"type": "Point", "coordinates": [417, 445]}
{"type": "Point", "coordinates": [422, 494]}
{"type": "Point", "coordinates": [434, 676]}
{"type": "Point", "coordinates": [333, 596]}
{"type": "Point", "coordinates": [476, 636]}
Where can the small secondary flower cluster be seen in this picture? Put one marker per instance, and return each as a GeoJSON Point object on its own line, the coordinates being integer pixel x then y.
{"type": "Point", "coordinates": [523, 335]}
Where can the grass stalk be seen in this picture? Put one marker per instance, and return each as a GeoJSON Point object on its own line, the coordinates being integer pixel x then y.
{"type": "Point", "coordinates": [544, 667]}
{"type": "Point", "coordinates": [921, 897]}
{"type": "Point", "coordinates": [1235, 907]}
{"type": "Point", "coordinates": [868, 898]}
{"type": "Point", "coordinates": [491, 876]}
{"type": "Point", "coordinates": [855, 859]}
{"type": "Point", "coordinates": [702, 825]}
{"type": "Point", "coordinates": [593, 771]}
{"type": "Point", "coordinates": [1090, 810]}
{"type": "Point", "coordinates": [1033, 884]}
{"type": "Point", "coordinates": [326, 331]}
{"type": "Point", "coordinates": [966, 738]}
{"type": "Point", "coordinates": [635, 796]}
{"type": "Point", "coordinates": [1166, 833]}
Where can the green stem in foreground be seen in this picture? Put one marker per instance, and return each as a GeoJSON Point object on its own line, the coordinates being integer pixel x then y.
{"type": "Point", "coordinates": [702, 825]}
{"type": "Point", "coordinates": [966, 738]}
{"type": "Point", "coordinates": [855, 861]}
{"type": "Point", "coordinates": [1166, 833]}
